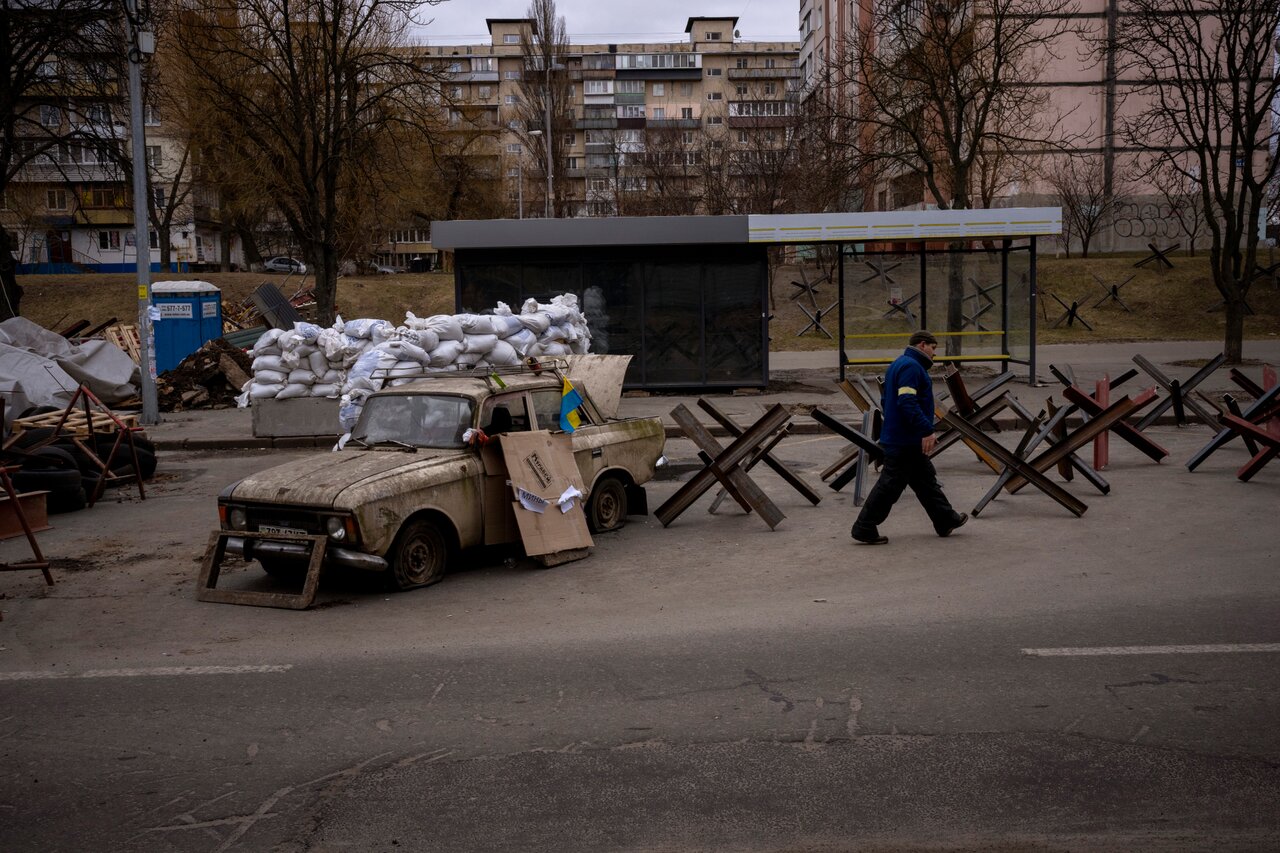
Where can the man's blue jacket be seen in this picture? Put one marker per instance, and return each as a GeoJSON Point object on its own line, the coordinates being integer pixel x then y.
{"type": "Point", "coordinates": [908, 400]}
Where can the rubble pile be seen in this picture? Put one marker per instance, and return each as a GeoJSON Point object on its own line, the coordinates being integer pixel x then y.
{"type": "Point", "coordinates": [353, 359]}
{"type": "Point", "coordinates": [209, 378]}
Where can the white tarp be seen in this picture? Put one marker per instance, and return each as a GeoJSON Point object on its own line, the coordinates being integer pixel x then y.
{"type": "Point", "coordinates": [45, 368]}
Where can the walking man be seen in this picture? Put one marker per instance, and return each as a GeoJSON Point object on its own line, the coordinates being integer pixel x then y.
{"type": "Point", "coordinates": [907, 439]}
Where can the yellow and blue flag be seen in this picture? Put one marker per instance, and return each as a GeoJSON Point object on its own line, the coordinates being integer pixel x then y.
{"type": "Point", "coordinates": [570, 400]}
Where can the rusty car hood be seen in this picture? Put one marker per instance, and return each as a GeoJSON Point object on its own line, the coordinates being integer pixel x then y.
{"type": "Point", "coordinates": [322, 479]}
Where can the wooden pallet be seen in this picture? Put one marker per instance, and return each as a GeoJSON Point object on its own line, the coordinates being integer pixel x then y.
{"type": "Point", "coordinates": [75, 424]}
{"type": "Point", "coordinates": [125, 337]}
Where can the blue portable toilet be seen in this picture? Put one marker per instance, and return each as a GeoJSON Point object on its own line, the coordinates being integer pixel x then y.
{"type": "Point", "coordinates": [190, 315]}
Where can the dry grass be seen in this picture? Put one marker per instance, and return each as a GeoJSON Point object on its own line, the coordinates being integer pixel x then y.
{"type": "Point", "coordinates": [1166, 305]}
{"type": "Point", "coordinates": [58, 301]}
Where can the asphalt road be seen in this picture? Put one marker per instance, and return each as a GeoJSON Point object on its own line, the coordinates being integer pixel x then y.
{"type": "Point", "coordinates": [708, 686]}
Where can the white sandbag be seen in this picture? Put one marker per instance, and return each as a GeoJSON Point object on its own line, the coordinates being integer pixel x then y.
{"type": "Point", "coordinates": [371, 365]}
{"type": "Point", "coordinates": [267, 362]}
{"type": "Point", "coordinates": [406, 351]}
{"type": "Point", "coordinates": [372, 329]}
{"type": "Point", "coordinates": [505, 326]}
{"type": "Point", "coordinates": [396, 383]}
{"type": "Point", "coordinates": [293, 390]}
{"type": "Point", "coordinates": [475, 324]}
{"type": "Point", "coordinates": [270, 377]}
{"type": "Point", "coordinates": [446, 328]}
{"type": "Point", "coordinates": [332, 376]}
{"type": "Point", "coordinates": [535, 322]}
{"type": "Point", "coordinates": [318, 362]}
{"type": "Point", "coordinates": [503, 310]}
{"type": "Point", "coordinates": [319, 390]}
{"type": "Point", "coordinates": [521, 341]}
{"type": "Point", "coordinates": [333, 343]}
{"type": "Point", "coordinates": [446, 353]}
{"type": "Point", "coordinates": [503, 355]}
{"type": "Point", "coordinates": [263, 392]}
{"type": "Point", "coordinates": [581, 346]}
{"type": "Point", "coordinates": [479, 344]}
{"type": "Point", "coordinates": [301, 376]}
{"type": "Point", "coordinates": [552, 349]}
{"type": "Point", "coordinates": [267, 340]}
{"type": "Point", "coordinates": [425, 339]}
{"type": "Point", "coordinates": [405, 370]}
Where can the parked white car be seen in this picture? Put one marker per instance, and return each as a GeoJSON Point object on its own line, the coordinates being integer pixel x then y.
{"type": "Point", "coordinates": [284, 264]}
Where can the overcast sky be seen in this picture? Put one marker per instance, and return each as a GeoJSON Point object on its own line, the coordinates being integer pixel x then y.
{"type": "Point", "coordinates": [462, 21]}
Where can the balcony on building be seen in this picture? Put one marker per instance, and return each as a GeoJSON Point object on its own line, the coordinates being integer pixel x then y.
{"type": "Point", "coordinates": [660, 66]}
{"type": "Point", "coordinates": [748, 114]}
{"type": "Point", "coordinates": [674, 124]}
{"type": "Point", "coordinates": [782, 73]}
{"type": "Point", "coordinates": [596, 123]}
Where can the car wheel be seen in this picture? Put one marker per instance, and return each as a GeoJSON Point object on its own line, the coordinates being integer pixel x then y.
{"type": "Point", "coordinates": [418, 556]}
{"type": "Point", "coordinates": [607, 508]}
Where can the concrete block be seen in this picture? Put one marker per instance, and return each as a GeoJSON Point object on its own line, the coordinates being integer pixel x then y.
{"type": "Point", "coordinates": [296, 416]}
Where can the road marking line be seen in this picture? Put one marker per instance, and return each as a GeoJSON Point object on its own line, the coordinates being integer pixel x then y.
{"type": "Point", "coordinates": [1224, 648]}
{"type": "Point", "coordinates": [154, 671]}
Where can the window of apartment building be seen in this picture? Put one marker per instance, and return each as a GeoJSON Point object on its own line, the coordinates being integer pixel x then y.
{"type": "Point", "coordinates": [155, 156]}
{"type": "Point", "coordinates": [597, 185]}
{"type": "Point", "coordinates": [715, 72]}
{"type": "Point", "coordinates": [455, 67]}
{"type": "Point", "coordinates": [630, 87]}
{"type": "Point", "coordinates": [741, 90]}
{"type": "Point", "coordinates": [50, 116]}
{"type": "Point", "coordinates": [513, 172]}
{"type": "Point", "coordinates": [484, 63]}
{"type": "Point", "coordinates": [511, 38]}
{"type": "Point", "coordinates": [659, 90]}
{"type": "Point", "coordinates": [686, 112]}
{"type": "Point", "coordinates": [692, 158]}
{"type": "Point", "coordinates": [511, 75]}
{"type": "Point", "coordinates": [514, 148]}
{"type": "Point", "coordinates": [514, 124]}
{"type": "Point", "coordinates": [47, 70]}
{"type": "Point", "coordinates": [511, 100]}
{"type": "Point", "coordinates": [688, 137]}
{"type": "Point", "coordinates": [455, 92]}
{"type": "Point", "coordinates": [150, 115]}
{"type": "Point", "coordinates": [153, 239]}
{"type": "Point", "coordinates": [573, 90]}
{"type": "Point", "coordinates": [686, 89]}
{"type": "Point", "coordinates": [712, 36]}
{"type": "Point", "coordinates": [573, 163]}
{"type": "Point", "coordinates": [659, 113]}
{"type": "Point", "coordinates": [771, 88]}
{"type": "Point", "coordinates": [157, 197]}
{"type": "Point", "coordinates": [634, 183]}
{"type": "Point", "coordinates": [108, 240]}
{"type": "Point", "coordinates": [596, 137]}
{"type": "Point", "coordinates": [100, 197]}
{"type": "Point", "coordinates": [713, 120]}
{"type": "Point", "coordinates": [742, 137]}
{"type": "Point", "coordinates": [57, 199]}
{"type": "Point", "coordinates": [741, 62]}
{"type": "Point", "coordinates": [600, 87]}
{"type": "Point", "coordinates": [631, 111]}
{"type": "Point", "coordinates": [715, 96]}
{"type": "Point", "coordinates": [769, 62]}
{"type": "Point", "coordinates": [485, 92]}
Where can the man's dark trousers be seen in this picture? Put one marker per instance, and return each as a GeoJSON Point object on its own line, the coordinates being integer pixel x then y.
{"type": "Point", "coordinates": [906, 466]}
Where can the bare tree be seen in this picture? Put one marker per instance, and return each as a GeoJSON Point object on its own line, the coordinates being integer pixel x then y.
{"type": "Point", "coordinates": [317, 93]}
{"type": "Point", "coordinates": [1207, 88]}
{"type": "Point", "coordinates": [544, 94]}
{"type": "Point", "coordinates": [51, 49]}
{"type": "Point", "coordinates": [1184, 199]}
{"type": "Point", "coordinates": [938, 86]}
{"type": "Point", "coordinates": [1086, 206]}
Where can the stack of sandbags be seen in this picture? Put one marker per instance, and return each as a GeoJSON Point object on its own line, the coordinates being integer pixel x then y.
{"type": "Point", "coordinates": [356, 358]}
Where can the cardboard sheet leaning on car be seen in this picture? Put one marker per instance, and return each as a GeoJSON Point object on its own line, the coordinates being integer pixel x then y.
{"type": "Point", "coordinates": [548, 499]}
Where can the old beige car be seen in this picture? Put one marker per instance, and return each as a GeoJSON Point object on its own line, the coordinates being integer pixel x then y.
{"type": "Point", "coordinates": [406, 492]}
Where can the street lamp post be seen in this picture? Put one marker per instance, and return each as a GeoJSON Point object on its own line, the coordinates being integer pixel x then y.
{"type": "Point", "coordinates": [520, 166]}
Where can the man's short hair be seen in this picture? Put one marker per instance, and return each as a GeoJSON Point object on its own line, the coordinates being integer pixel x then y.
{"type": "Point", "coordinates": [924, 336]}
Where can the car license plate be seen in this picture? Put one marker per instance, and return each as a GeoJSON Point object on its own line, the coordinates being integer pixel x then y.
{"type": "Point", "coordinates": [275, 528]}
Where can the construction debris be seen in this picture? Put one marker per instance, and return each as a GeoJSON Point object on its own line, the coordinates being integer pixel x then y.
{"type": "Point", "coordinates": [209, 378]}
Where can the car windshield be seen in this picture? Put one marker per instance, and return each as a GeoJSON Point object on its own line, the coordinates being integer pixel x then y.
{"type": "Point", "coordinates": [419, 420]}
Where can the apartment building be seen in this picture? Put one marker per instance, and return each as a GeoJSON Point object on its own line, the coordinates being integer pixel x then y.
{"type": "Point", "coordinates": [641, 121]}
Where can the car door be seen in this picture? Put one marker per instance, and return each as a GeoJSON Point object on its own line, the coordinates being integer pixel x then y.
{"type": "Point", "coordinates": [589, 440]}
{"type": "Point", "coordinates": [501, 413]}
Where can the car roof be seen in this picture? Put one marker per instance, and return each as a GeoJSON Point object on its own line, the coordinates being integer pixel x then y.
{"type": "Point", "coordinates": [475, 386]}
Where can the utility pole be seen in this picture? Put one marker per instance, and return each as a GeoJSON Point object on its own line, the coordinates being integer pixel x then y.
{"type": "Point", "coordinates": [141, 42]}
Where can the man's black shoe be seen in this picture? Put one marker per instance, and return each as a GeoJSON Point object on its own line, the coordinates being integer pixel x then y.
{"type": "Point", "coordinates": [871, 538]}
{"type": "Point", "coordinates": [964, 516]}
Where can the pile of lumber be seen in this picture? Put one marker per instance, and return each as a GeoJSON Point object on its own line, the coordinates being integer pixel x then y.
{"type": "Point", "coordinates": [209, 378]}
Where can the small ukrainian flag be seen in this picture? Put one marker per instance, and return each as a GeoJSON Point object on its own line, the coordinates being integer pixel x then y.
{"type": "Point", "coordinates": [570, 400]}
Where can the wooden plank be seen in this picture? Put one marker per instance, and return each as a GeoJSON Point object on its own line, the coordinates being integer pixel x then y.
{"type": "Point", "coordinates": [792, 479]}
{"type": "Point", "coordinates": [1121, 429]}
{"type": "Point", "coordinates": [734, 479]}
{"type": "Point", "coordinates": [211, 570]}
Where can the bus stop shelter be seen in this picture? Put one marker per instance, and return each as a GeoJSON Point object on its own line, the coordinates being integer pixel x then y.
{"type": "Point", "coordinates": [688, 296]}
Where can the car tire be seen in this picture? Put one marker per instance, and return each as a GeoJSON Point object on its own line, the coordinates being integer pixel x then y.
{"type": "Point", "coordinates": [419, 555]}
{"type": "Point", "coordinates": [49, 457]}
{"type": "Point", "coordinates": [607, 507]}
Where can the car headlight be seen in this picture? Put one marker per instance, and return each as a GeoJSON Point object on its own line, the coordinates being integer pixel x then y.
{"type": "Point", "coordinates": [336, 527]}
{"type": "Point", "coordinates": [236, 518]}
